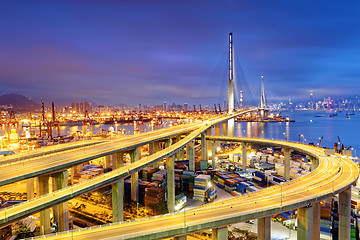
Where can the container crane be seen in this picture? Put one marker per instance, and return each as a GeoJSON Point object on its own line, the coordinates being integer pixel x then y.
{"type": "Point", "coordinates": [53, 123]}
{"type": "Point", "coordinates": [44, 123]}
{"type": "Point", "coordinates": [87, 121]}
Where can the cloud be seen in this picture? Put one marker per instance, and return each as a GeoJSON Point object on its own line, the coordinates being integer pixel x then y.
{"type": "Point", "coordinates": [147, 52]}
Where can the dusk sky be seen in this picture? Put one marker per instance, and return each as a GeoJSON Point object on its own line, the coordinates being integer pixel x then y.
{"type": "Point", "coordinates": [149, 52]}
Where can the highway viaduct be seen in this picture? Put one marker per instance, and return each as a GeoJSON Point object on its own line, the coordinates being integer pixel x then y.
{"type": "Point", "coordinates": [340, 174]}
{"type": "Point", "coordinates": [55, 166]}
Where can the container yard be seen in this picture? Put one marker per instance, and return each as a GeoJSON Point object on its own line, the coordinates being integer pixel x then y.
{"type": "Point", "coordinates": [193, 188]}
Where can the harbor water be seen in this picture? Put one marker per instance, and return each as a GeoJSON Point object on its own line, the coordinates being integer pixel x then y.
{"type": "Point", "coordinates": [309, 127]}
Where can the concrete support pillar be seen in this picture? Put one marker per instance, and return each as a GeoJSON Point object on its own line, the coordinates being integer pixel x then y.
{"type": "Point", "coordinates": [244, 155]}
{"type": "Point", "coordinates": [44, 214]}
{"type": "Point", "coordinates": [305, 223]}
{"type": "Point", "coordinates": [177, 158]}
{"type": "Point", "coordinates": [224, 129]}
{"type": "Point", "coordinates": [135, 156]}
{"type": "Point", "coordinates": [118, 160]}
{"type": "Point", "coordinates": [217, 133]}
{"type": "Point", "coordinates": [220, 233]}
{"type": "Point", "coordinates": [61, 211]}
{"type": "Point", "coordinates": [231, 127]}
{"type": "Point", "coordinates": [30, 188]}
{"type": "Point", "coordinates": [108, 161]}
{"type": "Point", "coordinates": [183, 237]}
{"type": "Point", "coordinates": [118, 201]}
{"type": "Point", "coordinates": [170, 183]}
{"type": "Point", "coordinates": [264, 228]}
{"type": "Point", "coordinates": [203, 147]}
{"type": "Point", "coordinates": [155, 147]}
{"type": "Point", "coordinates": [181, 151]}
{"type": "Point", "coordinates": [178, 138]}
{"type": "Point", "coordinates": [213, 154]}
{"type": "Point", "coordinates": [345, 214]}
{"type": "Point", "coordinates": [328, 201]}
{"type": "Point", "coordinates": [191, 155]}
{"type": "Point", "coordinates": [151, 148]}
{"type": "Point", "coordinates": [168, 143]}
{"type": "Point", "coordinates": [314, 162]}
{"type": "Point", "coordinates": [74, 171]}
{"type": "Point", "coordinates": [316, 221]}
{"type": "Point", "coordinates": [117, 193]}
{"type": "Point", "coordinates": [36, 179]}
{"type": "Point", "coordinates": [208, 143]}
{"type": "Point", "coordinates": [287, 152]}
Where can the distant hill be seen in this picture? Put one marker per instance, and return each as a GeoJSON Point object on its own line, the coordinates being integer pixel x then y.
{"type": "Point", "coordinates": [19, 102]}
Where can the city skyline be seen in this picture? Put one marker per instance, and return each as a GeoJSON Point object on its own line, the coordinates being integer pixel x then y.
{"type": "Point", "coordinates": [148, 53]}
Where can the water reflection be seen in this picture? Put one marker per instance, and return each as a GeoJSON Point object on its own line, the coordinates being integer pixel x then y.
{"type": "Point", "coordinates": [307, 129]}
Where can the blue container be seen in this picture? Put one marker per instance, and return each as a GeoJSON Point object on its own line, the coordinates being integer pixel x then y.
{"type": "Point", "coordinates": [324, 230]}
{"type": "Point", "coordinates": [220, 186]}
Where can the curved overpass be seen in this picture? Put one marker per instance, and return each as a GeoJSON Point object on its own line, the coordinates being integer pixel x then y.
{"type": "Point", "coordinates": [333, 175]}
{"type": "Point", "coordinates": [48, 164]}
{"type": "Point", "coordinates": [50, 150]}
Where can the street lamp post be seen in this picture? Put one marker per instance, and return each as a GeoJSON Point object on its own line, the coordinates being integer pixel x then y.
{"type": "Point", "coordinates": [281, 194]}
{"type": "Point", "coordinates": [185, 219]}
{"type": "Point", "coordinates": [304, 139]}
{"type": "Point", "coordinates": [285, 136]}
{"type": "Point", "coordinates": [137, 209]}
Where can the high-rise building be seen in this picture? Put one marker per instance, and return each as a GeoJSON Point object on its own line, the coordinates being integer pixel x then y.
{"type": "Point", "coordinates": [90, 108]}
{"type": "Point", "coordinates": [311, 103]}
{"type": "Point", "coordinates": [77, 108]}
{"type": "Point", "coordinates": [86, 107]}
{"type": "Point", "coordinates": [81, 108]}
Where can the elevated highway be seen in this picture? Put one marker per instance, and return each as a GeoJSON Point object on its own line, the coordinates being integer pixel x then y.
{"type": "Point", "coordinates": [333, 175]}
{"type": "Point", "coordinates": [49, 150]}
{"type": "Point", "coordinates": [49, 164]}
{"type": "Point", "coordinates": [58, 161]}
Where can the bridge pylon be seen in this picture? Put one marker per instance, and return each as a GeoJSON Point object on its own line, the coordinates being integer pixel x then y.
{"type": "Point", "coordinates": [262, 100]}
{"type": "Point", "coordinates": [231, 122]}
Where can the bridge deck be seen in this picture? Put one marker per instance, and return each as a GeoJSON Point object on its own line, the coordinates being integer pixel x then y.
{"type": "Point", "coordinates": [333, 175]}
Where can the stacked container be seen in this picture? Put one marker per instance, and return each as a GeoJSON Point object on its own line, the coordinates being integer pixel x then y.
{"type": "Point", "coordinates": [187, 183]}
{"type": "Point", "coordinates": [211, 194]}
{"type": "Point", "coordinates": [142, 187]}
{"type": "Point", "coordinates": [153, 196]}
{"type": "Point", "coordinates": [201, 185]}
{"type": "Point", "coordinates": [201, 165]}
{"type": "Point", "coordinates": [178, 173]}
{"type": "Point", "coordinates": [159, 178]}
{"type": "Point", "coordinates": [147, 173]}
{"type": "Point", "coordinates": [127, 189]}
